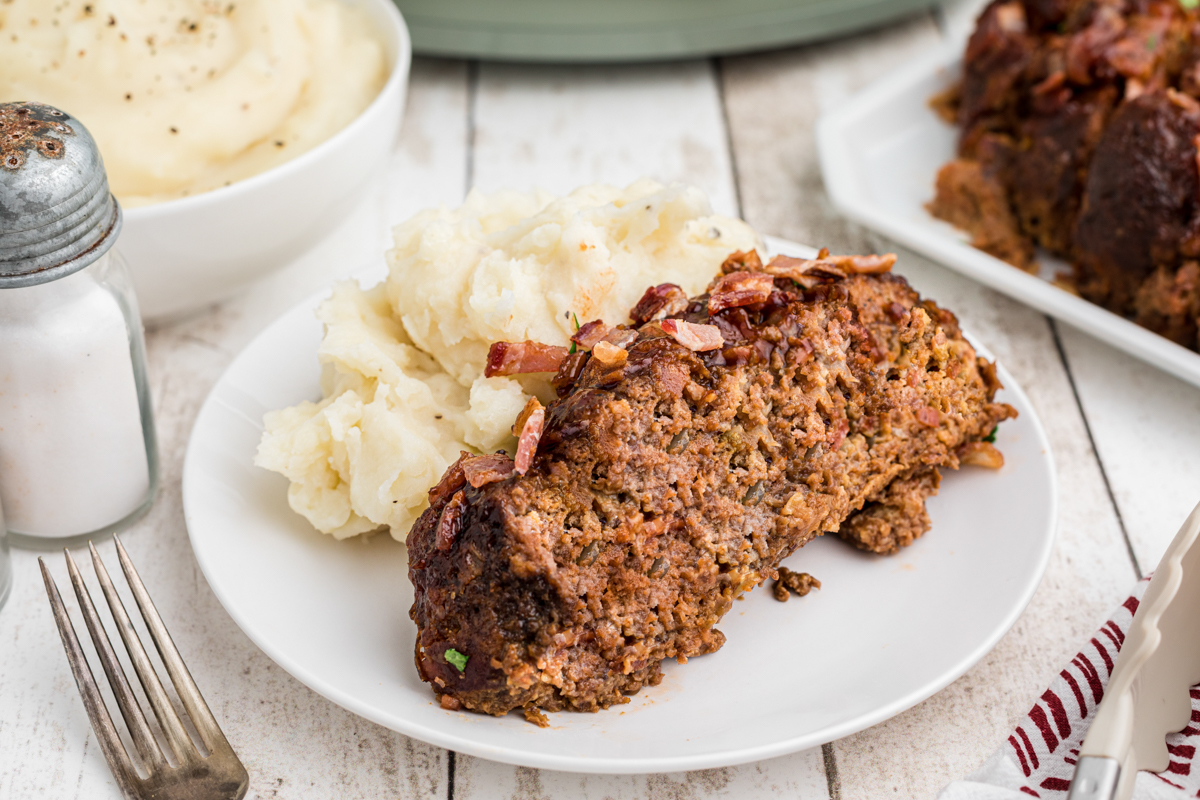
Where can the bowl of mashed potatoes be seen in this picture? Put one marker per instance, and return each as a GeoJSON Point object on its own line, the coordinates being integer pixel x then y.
{"type": "Point", "coordinates": [235, 133]}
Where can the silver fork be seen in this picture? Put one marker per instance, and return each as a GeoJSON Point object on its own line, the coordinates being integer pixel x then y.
{"type": "Point", "coordinates": [182, 774]}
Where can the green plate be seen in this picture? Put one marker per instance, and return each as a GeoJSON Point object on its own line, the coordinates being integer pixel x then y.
{"type": "Point", "coordinates": [632, 30]}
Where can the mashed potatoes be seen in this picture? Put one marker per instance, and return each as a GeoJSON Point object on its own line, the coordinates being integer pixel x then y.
{"type": "Point", "coordinates": [403, 381]}
{"type": "Point", "coordinates": [508, 267]}
{"type": "Point", "coordinates": [184, 96]}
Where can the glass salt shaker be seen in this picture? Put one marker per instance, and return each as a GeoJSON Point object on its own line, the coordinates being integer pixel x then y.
{"type": "Point", "coordinates": [78, 456]}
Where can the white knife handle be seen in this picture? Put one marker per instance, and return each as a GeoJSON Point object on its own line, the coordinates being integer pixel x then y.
{"type": "Point", "coordinates": [1110, 737]}
{"type": "Point", "coordinates": [1095, 778]}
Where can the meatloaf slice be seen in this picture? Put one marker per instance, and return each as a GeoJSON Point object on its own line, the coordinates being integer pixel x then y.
{"type": "Point", "coordinates": [670, 482]}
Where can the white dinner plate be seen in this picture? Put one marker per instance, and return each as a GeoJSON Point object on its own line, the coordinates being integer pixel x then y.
{"type": "Point", "coordinates": [882, 634]}
{"type": "Point", "coordinates": [880, 154]}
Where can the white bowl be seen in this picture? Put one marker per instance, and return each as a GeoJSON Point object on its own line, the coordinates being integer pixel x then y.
{"type": "Point", "coordinates": [188, 253]}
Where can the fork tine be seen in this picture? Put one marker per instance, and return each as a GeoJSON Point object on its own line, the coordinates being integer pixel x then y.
{"type": "Point", "coordinates": [106, 734]}
{"type": "Point", "coordinates": [185, 687]}
{"type": "Point", "coordinates": [135, 720]}
{"type": "Point", "coordinates": [177, 737]}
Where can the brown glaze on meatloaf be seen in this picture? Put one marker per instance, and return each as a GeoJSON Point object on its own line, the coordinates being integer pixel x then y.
{"type": "Point", "coordinates": [668, 485]}
{"type": "Point", "coordinates": [1142, 207]}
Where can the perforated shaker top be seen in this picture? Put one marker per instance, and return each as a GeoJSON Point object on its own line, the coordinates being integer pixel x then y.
{"type": "Point", "coordinates": [56, 212]}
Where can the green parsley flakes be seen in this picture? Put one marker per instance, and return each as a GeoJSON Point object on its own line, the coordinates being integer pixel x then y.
{"type": "Point", "coordinates": [991, 437]}
{"type": "Point", "coordinates": [456, 658]}
{"type": "Point", "coordinates": [574, 346]}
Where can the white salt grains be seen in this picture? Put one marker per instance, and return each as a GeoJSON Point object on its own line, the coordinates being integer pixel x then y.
{"type": "Point", "coordinates": [74, 457]}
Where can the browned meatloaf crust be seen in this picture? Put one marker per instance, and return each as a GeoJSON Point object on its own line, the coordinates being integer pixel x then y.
{"type": "Point", "coordinates": [1079, 134]}
{"type": "Point", "coordinates": [664, 488]}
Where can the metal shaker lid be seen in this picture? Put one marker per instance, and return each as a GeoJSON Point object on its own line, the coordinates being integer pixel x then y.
{"type": "Point", "coordinates": [56, 213]}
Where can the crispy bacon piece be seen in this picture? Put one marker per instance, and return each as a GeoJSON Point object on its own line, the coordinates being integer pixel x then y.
{"type": "Point", "coordinates": [609, 354]}
{"type": "Point", "coordinates": [1048, 86]}
{"type": "Point", "coordinates": [1183, 101]}
{"type": "Point", "coordinates": [514, 358]}
{"type": "Point", "coordinates": [482, 470]}
{"type": "Point", "coordinates": [530, 424]}
{"type": "Point", "coordinates": [740, 289]}
{"type": "Point", "coordinates": [808, 272]}
{"type": "Point", "coordinates": [621, 337]}
{"type": "Point", "coordinates": [837, 434]}
{"type": "Point", "coordinates": [660, 302]}
{"type": "Point", "coordinates": [532, 405]}
{"type": "Point", "coordinates": [742, 261]}
{"type": "Point", "coordinates": [591, 332]}
{"type": "Point", "coordinates": [451, 482]}
{"type": "Point", "coordinates": [1085, 48]}
{"type": "Point", "coordinates": [692, 336]}
{"type": "Point", "coordinates": [450, 523]}
{"type": "Point", "coordinates": [929, 416]}
{"type": "Point", "coordinates": [863, 265]}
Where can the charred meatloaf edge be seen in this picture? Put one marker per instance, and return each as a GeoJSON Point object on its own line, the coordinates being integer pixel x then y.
{"type": "Point", "coordinates": [668, 485]}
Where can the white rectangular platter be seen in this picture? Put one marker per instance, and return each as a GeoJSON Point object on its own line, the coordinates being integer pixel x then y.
{"type": "Point", "coordinates": [880, 153]}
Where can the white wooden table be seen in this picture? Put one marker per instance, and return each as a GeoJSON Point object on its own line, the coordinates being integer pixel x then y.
{"type": "Point", "coordinates": [1126, 437]}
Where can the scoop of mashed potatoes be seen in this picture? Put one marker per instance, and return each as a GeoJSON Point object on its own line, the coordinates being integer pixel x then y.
{"type": "Point", "coordinates": [403, 362]}
{"type": "Point", "coordinates": [184, 96]}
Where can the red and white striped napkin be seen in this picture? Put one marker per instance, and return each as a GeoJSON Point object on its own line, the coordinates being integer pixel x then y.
{"type": "Point", "coordinates": [1038, 759]}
